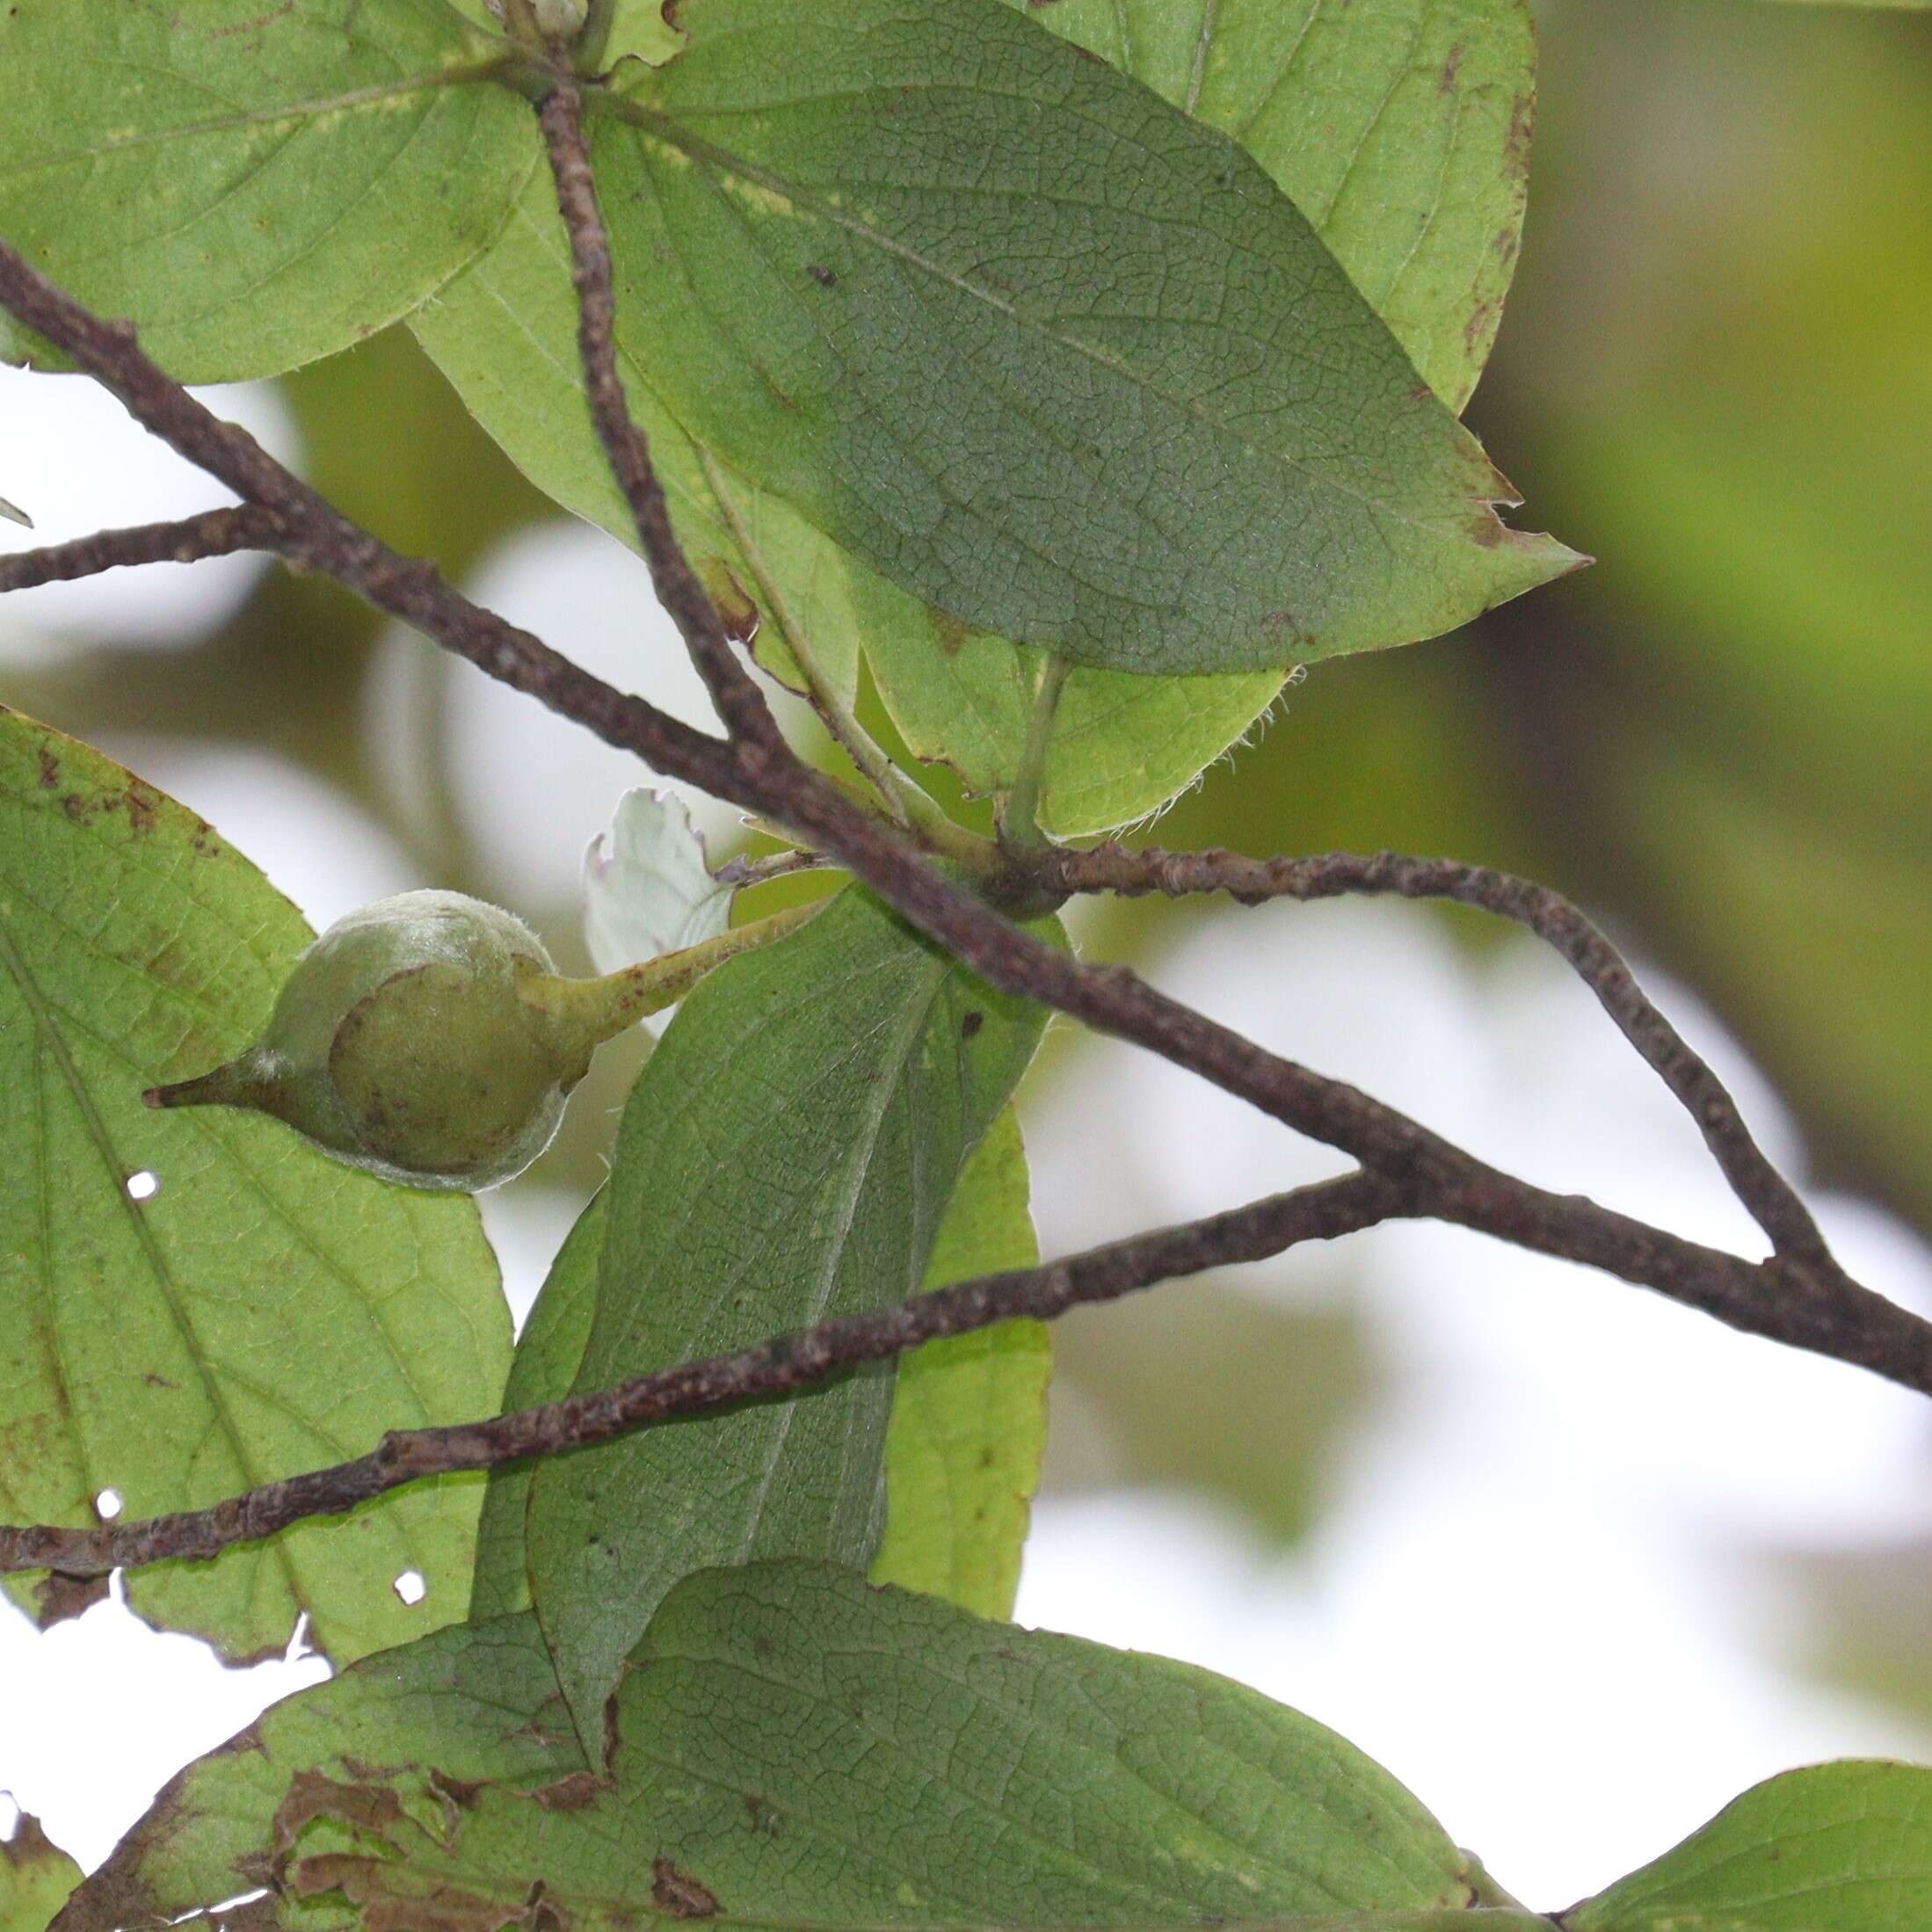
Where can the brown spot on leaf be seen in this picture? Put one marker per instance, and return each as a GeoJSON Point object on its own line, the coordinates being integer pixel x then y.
{"type": "Point", "coordinates": [824, 276]}
{"type": "Point", "coordinates": [28, 1846]}
{"type": "Point", "coordinates": [1453, 66]}
{"type": "Point", "coordinates": [386, 1905]}
{"type": "Point", "coordinates": [949, 630]}
{"type": "Point", "coordinates": [679, 1894]}
{"type": "Point", "coordinates": [50, 769]}
{"type": "Point", "coordinates": [572, 1793]}
{"type": "Point", "coordinates": [970, 1023]}
{"type": "Point", "coordinates": [459, 1794]}
{"type": "Point", "coordinates": [371, 1808]}
{"type": "Point", "coordinates": [1522, 123]}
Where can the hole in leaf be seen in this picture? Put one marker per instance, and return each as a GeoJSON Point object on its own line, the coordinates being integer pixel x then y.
{"type": "Point", "coordinates": [108, 1505]}
{"type": "Point", "coordinates": [144, 1185]}
{"type": "Point", "coordinates": [411, 1586]}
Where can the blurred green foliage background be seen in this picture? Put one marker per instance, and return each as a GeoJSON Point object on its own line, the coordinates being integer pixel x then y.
{"type": "Point", "coordinates": [1715, 375]}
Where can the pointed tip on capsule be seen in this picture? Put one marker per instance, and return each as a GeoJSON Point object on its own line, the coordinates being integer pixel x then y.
{"type": "Point", "coordinates": [228, 1085]}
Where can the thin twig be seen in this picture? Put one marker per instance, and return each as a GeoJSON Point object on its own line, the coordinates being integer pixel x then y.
{"type": "Point", "coordinates": [739, 702]}
{"type": "Point", "coordinates": [1772, 1201]}
{"type": "Point", "coordinates": [214, 533]}
{"type": "Point", "coordinates": [776, 1368]}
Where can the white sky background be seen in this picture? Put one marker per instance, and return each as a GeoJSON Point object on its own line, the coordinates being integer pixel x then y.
{"type": "Point", "coordinates": [1533, 1597]}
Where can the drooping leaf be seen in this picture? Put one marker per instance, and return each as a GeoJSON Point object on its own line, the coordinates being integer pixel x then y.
{"type": "Point", "coordinates": [970, 1414]}
{"type": "Point", "coordinates": [192, 1303]}
{"type": "Point", "coordinates": [253, 185]}
{"type": "Point", "coordinates": [794, 1749]}
{"type": "Point", "coordinates": [786, 1156]}
{"type": "Point", "coordinates": [470, 1701]}
{"type": "Point", "coordinates": [547, 1352]}
{"type": "Point", "coordinates": [647, 886]}
{"type": "Point", "coordinates": [36, 1877]}
{"type": "Point", "coordinates": [1835, 1847]}
{"type": "Point", "coordinates": [1036, 345]}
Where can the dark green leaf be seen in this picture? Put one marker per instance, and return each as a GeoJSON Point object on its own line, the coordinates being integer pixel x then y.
{"type": "Point", "coordinates": [253, 185]}
{"type": "Point", "coordinates": [786, 1156]}
{"type": "Point", "coordinates": [794, 1749]}
{"type": "Point", "coordinates": [1403, 137]}
{"type": "Point", "coordinates": [474, 1700]}
{"type": "Point", "coordinates": [970, 1414]}
{"type": "Point", "coordinates": [1837, 1847]}
{"type": "Point", "coordinates": [265, 1310]}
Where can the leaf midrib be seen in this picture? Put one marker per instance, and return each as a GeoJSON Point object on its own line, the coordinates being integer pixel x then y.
{"type": "Point", "coordinates": [864, 1148]}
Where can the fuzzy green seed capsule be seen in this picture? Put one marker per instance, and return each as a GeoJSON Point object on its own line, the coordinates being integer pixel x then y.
{"type": "Point", "coordinates": [401, 1044]}
{"type": "Point", "coordinates": [428, 1038]}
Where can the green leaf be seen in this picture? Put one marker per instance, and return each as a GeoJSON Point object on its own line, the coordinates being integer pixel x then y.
{"type": "Point", "coordinates": [548, 1351]}
{"type": "Point", "coordinates": [253, 185]}
{"type": "Point", "coordinates": [1836, 1847]}
{"type": "Point", "coordinates": [266, 1311]}
{"type": "Point", "coordinates": [793, 1748]}
{"type": "Point", "coordinates": [786, 1156]}
{"type": "Point", "coordinates": [970, 1414]}
{"type": "Point", "coordinates": [474, 1700]}
{"type": "Point", "coordinates": [1034, 345]}
{"type": "Point", "coordinates": [36, 1877]}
